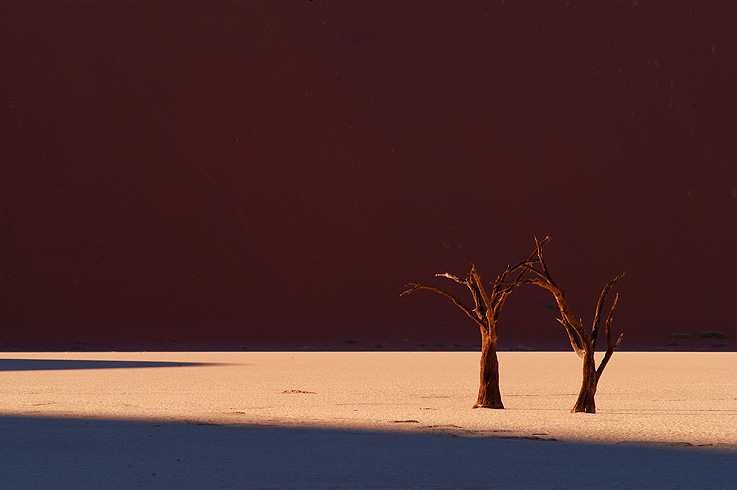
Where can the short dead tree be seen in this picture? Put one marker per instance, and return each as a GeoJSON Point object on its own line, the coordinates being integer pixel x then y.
{"type": "Point", "coordinates": [583, 344]}
{"type": "Point", "coordinates": [486, 314]}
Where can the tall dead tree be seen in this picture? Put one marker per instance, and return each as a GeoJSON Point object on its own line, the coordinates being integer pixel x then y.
{"type": "Point", "coordinates": [486, 313]}
{"type": "Point", "coordinates": [583, 344]}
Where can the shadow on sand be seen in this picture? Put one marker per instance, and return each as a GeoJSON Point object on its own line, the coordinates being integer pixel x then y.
{"type": "Point", "coordinates": [113, 454]}
{"type": "Point", "coordinates": [56, 364]}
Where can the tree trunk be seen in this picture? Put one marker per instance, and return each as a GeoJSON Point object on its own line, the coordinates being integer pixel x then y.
{"type": "Point", "coordinates": [585, 402]}
{"type": "Point", "coordinates": [489, 395]}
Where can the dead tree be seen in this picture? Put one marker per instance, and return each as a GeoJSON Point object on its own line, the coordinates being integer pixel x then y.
{"type": "Point", "coordinates": [583, 344]}
{"type": "Point", "coordinates": [486, 315]}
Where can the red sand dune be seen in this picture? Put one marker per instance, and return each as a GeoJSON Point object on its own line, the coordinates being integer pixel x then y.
{"type": "Point", "coordinates": [271, 174]}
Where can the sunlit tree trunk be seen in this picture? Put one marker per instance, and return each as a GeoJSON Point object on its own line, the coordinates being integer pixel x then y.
{"type": "Point", "coordinates": [489, 394]}
{"type": "Point", "coordinates": [585, 401]}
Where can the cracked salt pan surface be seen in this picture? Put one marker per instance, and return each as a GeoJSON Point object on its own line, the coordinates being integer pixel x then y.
{"type": "Point", "coordinates": [231, 420]}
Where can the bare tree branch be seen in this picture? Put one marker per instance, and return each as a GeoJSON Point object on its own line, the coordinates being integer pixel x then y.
{"type": "Point", "coordinates": [608, 324]}
{"type": "Point", "coordinates": [565, 310]}
{"type": "Point", "coordinates": [535, 255]}
{"type": "Point", "coordinates": [451, 276]}
{"type": "Point", "coordinates": [610, 348]}
{"type": "Point", "coordinates": [479, 295]}
{"type": "Point", "coordinates": [502, 287]}
{"type": "Point", "coordinates": [541, 259]}
{"type": "Point", "coordinates": [575, 339]}
{"type": "Point", "coordinates": [600, 305]}
{"type": "Point", "coordinates": [530, 268]}
{"type": "Point", "coordinates": [501, 278]}
{"type": "Point", "coordinates": [413, 286]}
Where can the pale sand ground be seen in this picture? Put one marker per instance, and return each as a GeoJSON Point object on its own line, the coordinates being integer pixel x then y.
{"type": "Point", "coordinates": [363, 420]}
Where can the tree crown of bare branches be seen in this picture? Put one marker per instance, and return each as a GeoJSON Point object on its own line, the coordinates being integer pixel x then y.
{"type": "Point", "coordinates": [580, 340]}
{"type": "Point", "coordinates": [487, 307]}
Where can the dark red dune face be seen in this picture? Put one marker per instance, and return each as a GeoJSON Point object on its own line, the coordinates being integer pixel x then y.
{"type": "Point", "coordinates": [206, 175]}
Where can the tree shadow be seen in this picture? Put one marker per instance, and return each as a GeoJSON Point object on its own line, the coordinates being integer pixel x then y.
{"type": "Point", "coordinates": [60, 364]}
{"type": "Point", "coordinates": [122, 454]}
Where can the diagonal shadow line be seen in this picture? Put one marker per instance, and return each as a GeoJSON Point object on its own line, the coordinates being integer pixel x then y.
{"type": "Point", "coordinates": [61, 364]}
{"type": "Point", "coordinates": [40, 452]}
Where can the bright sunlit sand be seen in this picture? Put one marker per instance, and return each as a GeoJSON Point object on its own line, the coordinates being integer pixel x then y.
{"type": "Point", "coordinates": [388, 419]}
